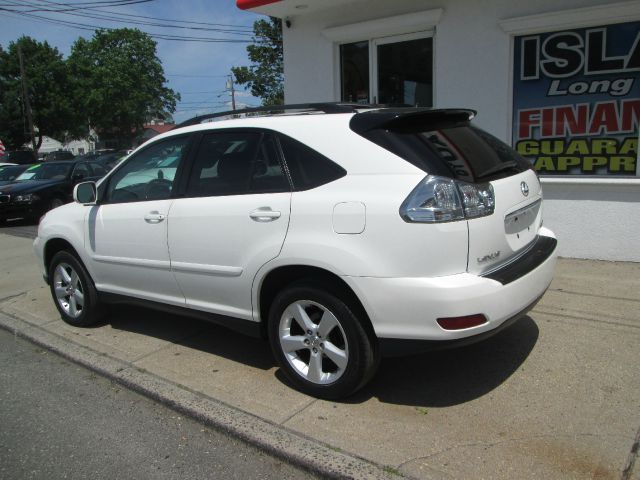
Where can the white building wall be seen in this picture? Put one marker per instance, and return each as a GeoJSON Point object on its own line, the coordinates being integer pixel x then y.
{"type": "Point", "coordinates": [472, 68]}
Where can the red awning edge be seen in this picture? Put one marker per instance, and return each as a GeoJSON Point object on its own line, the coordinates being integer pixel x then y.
{"type": "Point", "coordinates": [249, 4]}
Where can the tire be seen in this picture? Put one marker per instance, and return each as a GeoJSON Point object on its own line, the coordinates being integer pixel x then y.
{"type": "Point", "coordinates": [55, 203]}
{"type": "Point", "coordinates": [336, 356]}
{"type": "Point", "coordinates": [73, 291]}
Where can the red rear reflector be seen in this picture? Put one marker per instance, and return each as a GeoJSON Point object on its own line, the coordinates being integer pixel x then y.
{"type": "Point", "coordinates": [458, 323]}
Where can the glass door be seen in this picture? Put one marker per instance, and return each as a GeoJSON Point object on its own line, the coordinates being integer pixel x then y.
{"type": "Point", "coordinates": [403, 70]}
{"type": "Point", "coordinates": [354, 72]}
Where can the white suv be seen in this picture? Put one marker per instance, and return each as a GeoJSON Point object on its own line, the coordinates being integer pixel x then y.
{"type": "Point", "coordinates": [340, 232]}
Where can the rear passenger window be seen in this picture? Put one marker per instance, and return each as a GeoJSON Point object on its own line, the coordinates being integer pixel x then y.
{"type": "Point", "coordinates": [308, 168]}
{"type": "Point", "coordinates": [236, 163]}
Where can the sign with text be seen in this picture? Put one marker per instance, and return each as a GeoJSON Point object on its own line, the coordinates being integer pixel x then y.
{"type": "Point", "coordinates": [576, 100]}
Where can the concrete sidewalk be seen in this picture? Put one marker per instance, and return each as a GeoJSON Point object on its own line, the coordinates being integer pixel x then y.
{"type": "Point", "coordinates": [555, 396]}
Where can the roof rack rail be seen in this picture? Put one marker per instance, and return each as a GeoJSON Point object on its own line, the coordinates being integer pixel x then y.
{"type": "Point", "coordinates": [326, 107]}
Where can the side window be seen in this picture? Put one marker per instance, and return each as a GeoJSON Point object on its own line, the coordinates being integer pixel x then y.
{"type": "Point", "coordinates": [236, 163]}
{"type": "Point", "coordinates": [148, 175]}
{"type": "Point", "coordinates": [309, 169]}
{"type": "Point", "coordinates": [80, 171]}
{"type": "Point", "coordinates": [97, 170]}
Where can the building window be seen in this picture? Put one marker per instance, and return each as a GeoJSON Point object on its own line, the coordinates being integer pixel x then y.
{"type": "Point", "coordinates": [405, 72]}
{"type": "Point", "coordinates": [392, 70]}
{"type": "Point", "coordinates": [354, 67]}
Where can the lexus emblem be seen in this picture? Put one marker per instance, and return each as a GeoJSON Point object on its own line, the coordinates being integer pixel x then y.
{"type": "Point", "coordinates": [524, 188]}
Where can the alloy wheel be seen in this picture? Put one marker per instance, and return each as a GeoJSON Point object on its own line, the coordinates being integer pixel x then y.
{"type": "Point", "coordinates": [68, 290]}
{"type": "Point", "coordinates": [313, 342]}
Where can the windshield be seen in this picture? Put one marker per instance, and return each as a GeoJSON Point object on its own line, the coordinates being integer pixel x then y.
{"type": "Point", "coordinates": [9, 173]}
{"type": "Point", "coordinates": [46, 171]}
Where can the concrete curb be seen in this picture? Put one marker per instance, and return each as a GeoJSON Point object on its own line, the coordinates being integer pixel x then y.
{"type": "Point", "coordinates": [274, 439]}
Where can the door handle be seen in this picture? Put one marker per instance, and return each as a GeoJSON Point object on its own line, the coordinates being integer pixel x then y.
{"type": "Point", "coordinates": [154, 217]}
{"type": "Point", "coordinates": [264, 214]}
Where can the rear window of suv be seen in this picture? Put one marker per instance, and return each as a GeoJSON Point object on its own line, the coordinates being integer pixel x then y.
{"type": "Point", "coordinates": [308, 168]}
{"type": "Point", "coordinates": [463, 152]}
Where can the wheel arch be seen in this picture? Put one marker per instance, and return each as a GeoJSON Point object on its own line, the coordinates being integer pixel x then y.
{"type": "Point", "coordinates": [282, 276]}
{"type": "Point", "coordinates": [54, 246]}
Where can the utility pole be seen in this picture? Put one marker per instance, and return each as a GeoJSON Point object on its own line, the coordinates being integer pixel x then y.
{"type": "Point", "coordinates": [233, 92]}
{"type": "Point", "coordinates": [25, 96]}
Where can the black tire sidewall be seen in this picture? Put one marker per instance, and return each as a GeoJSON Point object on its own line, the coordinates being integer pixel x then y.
{"type": "Point", "coordinates": [361, 355]}
{"type": "Point", "coordinates": [54, 200]}
{"type": "Point", "coordinates": [90, 314]}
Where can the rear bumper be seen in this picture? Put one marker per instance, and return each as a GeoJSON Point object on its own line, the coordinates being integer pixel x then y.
{"type": "Point", "coordinates": [394, 347]}
{"type": "Point", "coordinates": [408, 308]}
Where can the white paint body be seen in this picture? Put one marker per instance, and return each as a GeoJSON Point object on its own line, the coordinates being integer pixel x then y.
{"type": "Point", "coordinates": [210, 254]}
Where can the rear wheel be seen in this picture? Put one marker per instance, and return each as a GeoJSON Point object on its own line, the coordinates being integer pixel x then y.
{"type": "Point", "coordinates": [319, 341]}
{"type": "Point", "coordinates": [73, 292]}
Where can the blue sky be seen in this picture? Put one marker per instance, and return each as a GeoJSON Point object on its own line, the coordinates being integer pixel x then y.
{"type": "Point", "coordinates": [194, 69]}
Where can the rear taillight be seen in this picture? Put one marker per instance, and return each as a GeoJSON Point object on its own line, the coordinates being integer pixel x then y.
{"type": "Point", "coordinates": [439, 199]}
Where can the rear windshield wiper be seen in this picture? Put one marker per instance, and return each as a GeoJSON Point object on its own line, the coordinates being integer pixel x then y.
{"type": "Point", "coordinates": [498, 168]}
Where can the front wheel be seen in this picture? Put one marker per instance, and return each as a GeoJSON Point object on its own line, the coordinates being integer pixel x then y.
{"type": "Point", "coordinates": [73, 291]}
{"type": "Point", "coordinates": [55, 203]}
{"type": "Point", "coordinates": [319, 342]}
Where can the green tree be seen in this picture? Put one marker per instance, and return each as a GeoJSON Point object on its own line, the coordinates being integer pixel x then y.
{"type": "Point", "coordinates": [265, 77]}
{"type": "Point", "coordinates": [48, 86]}
{"type": "Point", "coordinates": [120, 82]}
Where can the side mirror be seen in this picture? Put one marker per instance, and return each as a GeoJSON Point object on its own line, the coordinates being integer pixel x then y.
{"type": "Point", "coordinates": [85, 193]}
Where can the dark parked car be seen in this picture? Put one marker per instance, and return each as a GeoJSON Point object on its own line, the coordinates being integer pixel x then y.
{"type": "Point", "coordinates": [9, 173]}
{"type": "Point", "coordinates": [21, 157]}
{"type": "Point", "coordinates": [45, 186]}
{"type": "Point", "coordinates": [58, 155]}
{"type": "Point", "coordinates": [94, 154]}
{"type": "Point", "coordinates": [110, 160]}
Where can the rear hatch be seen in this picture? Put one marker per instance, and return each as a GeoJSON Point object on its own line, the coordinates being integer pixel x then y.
{"type": "Point", "coordinates": [447, 147]}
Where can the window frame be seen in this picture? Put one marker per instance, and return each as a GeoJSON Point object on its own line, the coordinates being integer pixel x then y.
{"type": "Point", "coordinates": [418, 22]}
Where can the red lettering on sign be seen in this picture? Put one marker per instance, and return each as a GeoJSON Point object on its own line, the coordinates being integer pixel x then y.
{"type": "Point", "coordinates": [527, 119]}
{"type": "Point", "coordinates": [611, 118]}
{"type": "Point", "coordinates": [630, 115]}
{"type": "Point", "coordinates": [605, 115]}
{"type": "Point", "coordinates": [572, 119]}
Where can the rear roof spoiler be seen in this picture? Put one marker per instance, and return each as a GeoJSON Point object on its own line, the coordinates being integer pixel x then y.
{"type": "Point", "coordinates": [410, 119]}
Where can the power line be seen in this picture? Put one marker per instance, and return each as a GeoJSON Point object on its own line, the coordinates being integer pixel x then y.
{"type": "Point", "coordinates": [250, 28]}
{"type": "Point", "coordinates": [86, 5]}
{"type": "Point", "coordinates": [159, 36]}
{"type": "Point", "coordinates": [194, 76]}
{"type": "Point", "coordinates": [200, 93]}
{"type": "Point", "coordinates": [147, 17]}
{"type": "Point", "coordinates": [97, 15]}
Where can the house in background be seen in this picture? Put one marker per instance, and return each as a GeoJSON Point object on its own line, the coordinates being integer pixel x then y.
{"type": "Point", "coordinates": [152, 129]}
{"type": "Point", "coordinates": [556, 79]}
{"type": "Point", "coordinates": [77, 147]}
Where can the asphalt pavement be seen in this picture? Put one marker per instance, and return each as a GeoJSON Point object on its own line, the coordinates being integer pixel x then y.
{"type": "Point", "coordinates": [555, 396]}
{"type": "Point", "coordinates": [60, 420]}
